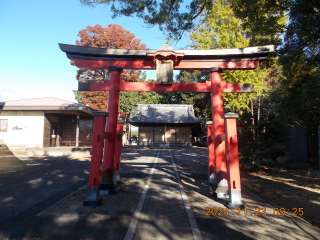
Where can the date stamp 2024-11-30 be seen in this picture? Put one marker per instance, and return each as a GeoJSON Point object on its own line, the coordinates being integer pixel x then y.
{"type": "Point", "coordinates": [258, 212]}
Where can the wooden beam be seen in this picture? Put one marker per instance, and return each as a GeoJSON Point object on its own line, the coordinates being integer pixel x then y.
{"type": "Point", "coordinates": [183, 65]}
{"type": "Point", "coordinates": [176, 87]}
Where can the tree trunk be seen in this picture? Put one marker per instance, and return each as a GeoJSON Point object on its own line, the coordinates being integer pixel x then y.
{"type": "Point", "coordinates": [258, 118]}
{"type": "Point", "coordinates": [252, 119]}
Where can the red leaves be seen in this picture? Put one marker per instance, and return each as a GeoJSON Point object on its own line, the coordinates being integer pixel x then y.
{"type": "Point", "coordinates": [113, 36]}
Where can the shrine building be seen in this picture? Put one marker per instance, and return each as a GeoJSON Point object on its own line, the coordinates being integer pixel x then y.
{"type": "Point", "coordinates": [169, 124]}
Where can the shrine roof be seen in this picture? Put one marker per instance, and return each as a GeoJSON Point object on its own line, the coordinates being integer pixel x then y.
{"type": "Point", "coordinates": [90, 53]}
{"type": "Point", "coordinates": [47, 103]}
{"type": "Point", "coordinates": [165, 113]}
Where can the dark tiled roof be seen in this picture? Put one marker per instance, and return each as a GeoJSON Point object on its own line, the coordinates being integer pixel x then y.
{"type": "Point", "coordinates": [165, 113]}
{"type": "Point", "coordinates": [47, 103]}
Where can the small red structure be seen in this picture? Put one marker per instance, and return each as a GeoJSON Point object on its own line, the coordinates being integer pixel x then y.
{"type": "Point", "coordinates": [99, 123]}
{"type": "Point", "coordinates": [222, 137]}
{"type": "Point", "coordinates": [232, 160]}
{"type": "Point", "coordinates": [117, 155]}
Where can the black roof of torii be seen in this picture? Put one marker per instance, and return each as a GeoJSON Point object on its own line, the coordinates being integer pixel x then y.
{"type": "Point", "coordinates": [107, 54]}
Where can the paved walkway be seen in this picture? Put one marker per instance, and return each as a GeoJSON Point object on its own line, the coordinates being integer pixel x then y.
{"type": "Point", "coordinates": [165, 213]}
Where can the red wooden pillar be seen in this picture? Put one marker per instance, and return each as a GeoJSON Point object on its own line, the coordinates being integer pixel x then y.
{"type": "Point", "coordinates": [99, 124]}
{"type": "Point", "coordinates": [217, 111]}
{"type": "Point", "coordinates": [218, 130]}
{"type": "Point", "coordinates": [110, 139]}
{"type": "Point", "coordinates": [233, 169]}
{"type": "Point", "coordinates": [211, 163]}
{"type": "Point", "coordinates": [117, 155]}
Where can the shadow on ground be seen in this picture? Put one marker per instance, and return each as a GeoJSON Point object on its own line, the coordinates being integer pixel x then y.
{"type": "Point", "coordinates": [30, 190]}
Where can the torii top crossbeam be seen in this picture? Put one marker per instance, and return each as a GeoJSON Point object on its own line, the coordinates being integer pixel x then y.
{"type": "Point", "coordinates": [228, 59]}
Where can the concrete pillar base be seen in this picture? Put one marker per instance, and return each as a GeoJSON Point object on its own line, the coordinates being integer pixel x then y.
{"type": "Point", "coordinates": [235, 199]}
{"type": "Point", "coordinates": [212, 178]}
{"type": "Point", "coordinates": [235, 206]}
{"type": "Point", "coordinates": [222, 190]}
{"type": "Point", "coordinates": [110, 191]}
{"type": "Point", "coordinates": [108, 185]}
{"type": "Point", "coordinates": [94, 198]}
{"type": "Point", "coordinates": [116, 177]}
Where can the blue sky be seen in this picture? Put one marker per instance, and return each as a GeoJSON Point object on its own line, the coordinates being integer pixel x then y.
{"type": "Point", "coordinates": [31, 63]}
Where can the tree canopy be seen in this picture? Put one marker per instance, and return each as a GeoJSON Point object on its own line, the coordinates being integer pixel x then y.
{"type": "Point", "coordinates": [263, 20]}
{"type": "Point", "coordinates": [112, 36]}
{"type": "Point", "coordinates": [221, 29]}
{"type": "Point", "coordinates": [287, 85]}
{"type": "Point", "coordinates": [173, 17]}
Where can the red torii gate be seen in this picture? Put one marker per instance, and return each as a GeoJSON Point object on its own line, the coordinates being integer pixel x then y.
{"type": "Point", "coordinates": [223, 158]}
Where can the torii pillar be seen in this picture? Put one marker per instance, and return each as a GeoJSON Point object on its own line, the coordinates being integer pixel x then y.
{"type": "Point", "coordinates": [111, 130]}
{"type": "Point", "coordinates": [218, 133]}
{"type": "Point", "coordinates": [117, 155]}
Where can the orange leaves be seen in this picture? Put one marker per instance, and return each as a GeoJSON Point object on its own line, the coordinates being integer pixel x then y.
{"type": "Point", "coordinates": [130, 75]}
{"type": "Point", "coordinates": [124, 114]}
{"type": "Point", "coordinates": [95, 100]}
{"type": "Point", "coordinates": [113, 36]}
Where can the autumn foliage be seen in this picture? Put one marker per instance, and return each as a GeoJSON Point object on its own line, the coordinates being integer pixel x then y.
{"type": "Point", "coordinates": [112, 36]}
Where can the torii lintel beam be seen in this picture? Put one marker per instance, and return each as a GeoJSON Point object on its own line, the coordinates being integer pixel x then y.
{"type": "Point", "coordinates": [228, 59]}
{"type": "Point", "coordinates": [176, 87]}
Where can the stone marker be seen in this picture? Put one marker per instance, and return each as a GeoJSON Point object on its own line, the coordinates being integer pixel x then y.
{"type": "Point", "coordinates": [298, 144]}
{"type": "Point", "coordinates": [319, 144]}
{"type": "Point", "coordinates": [298, 149]}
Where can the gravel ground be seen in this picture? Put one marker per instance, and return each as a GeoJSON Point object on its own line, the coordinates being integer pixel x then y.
{"type": "Point", "coordinates": [68, 219]}
{"type": "Point", "coordinates": [122, 203]}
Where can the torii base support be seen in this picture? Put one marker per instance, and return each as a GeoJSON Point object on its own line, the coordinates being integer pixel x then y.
{"type": "Point", "coordinates": [117, 154]}
{"type": "Point", "coordinates": [116, 178]}
{"type": "Point", "coordinates": [108, 186]}
{"type": "Point", "coordinates": [226, 183]}
{"type": "Point", "coordinates": [93, 200]}
{"type": "Point", "coordinates": [110, 190]}
{"type": "Point", "coordinates": [220, 189]}
{"type": "Point", "coordinates": [99, 123]}
{"type": "Point", "coordinates": [232, 158]}
{"type": "Point", "coordinates": [235, 199]}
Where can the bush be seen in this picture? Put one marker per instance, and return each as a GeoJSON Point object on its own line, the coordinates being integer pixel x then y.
{"type": "Point", "coordinates": [252, 167]}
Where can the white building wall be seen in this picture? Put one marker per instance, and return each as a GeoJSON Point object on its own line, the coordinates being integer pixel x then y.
{"type": "Point", "coordinates": [25, 128]}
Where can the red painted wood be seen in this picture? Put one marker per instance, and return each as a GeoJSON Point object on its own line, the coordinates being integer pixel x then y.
{"type": "Point", "coordinates": [113, 102]}
{"type": "Point", "coordinates": [99, 124]}
{"type": "Point", "coordinates": [233, 167]}
{"type": "Point", "coordinates": [166, 55]}
{"type": "Point", "coordinates": [176, 87]}
{"type": "Point", "coordinates": [218, 123]}
{"type": "Point", "coordinates": [183, 65]}
{"type": "Point", "coordinates": [139, 64]}
{"type": "Point", "coordinates": [224, 175]}
{"type": "Point", "coordinates": [211, 166]}
{"type": "Point", "coordinates": [117, 155]}
{"type": "Point", "coordinates": [230, 87]}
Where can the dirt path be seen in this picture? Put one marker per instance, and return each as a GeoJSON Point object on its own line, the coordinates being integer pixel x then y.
{"type": "Point", "coordinates": [289, 190]}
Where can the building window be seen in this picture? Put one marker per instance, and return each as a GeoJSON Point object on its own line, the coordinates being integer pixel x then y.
{"type": "Point", "coordinates": [3, 125]}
